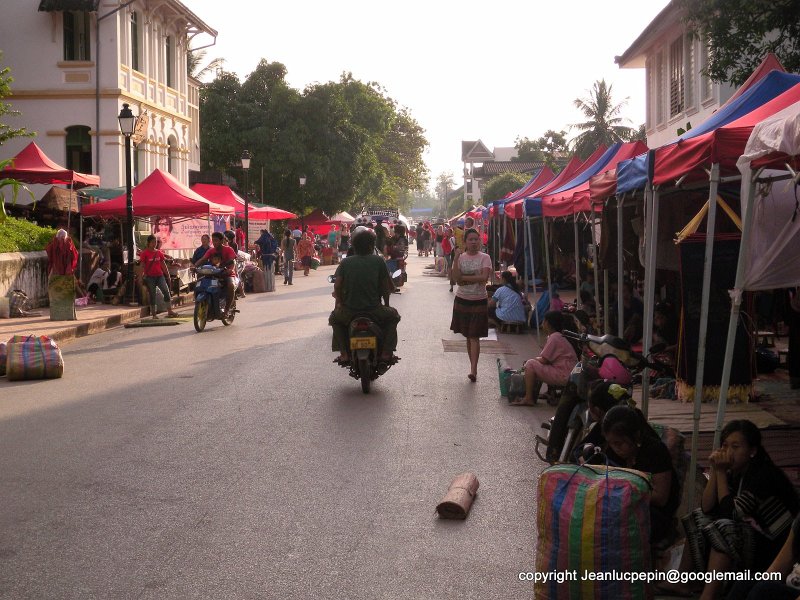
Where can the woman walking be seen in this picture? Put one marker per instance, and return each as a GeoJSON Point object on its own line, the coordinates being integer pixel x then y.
{"type": "Point", "coordinates": [305, 250]}
{"type": "Point", "coordinates": [471, 270]}
{"type": "Point", "coordinates": [156, 274]}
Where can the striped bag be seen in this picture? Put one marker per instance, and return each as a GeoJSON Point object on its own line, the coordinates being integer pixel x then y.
{"type": "Point", "coordinates": [595, 520]}
{"type": "Point", "coordinates": [31, 357]}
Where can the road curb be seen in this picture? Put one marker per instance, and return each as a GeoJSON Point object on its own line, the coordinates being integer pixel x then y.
{"type": "Point", "coordinates": [85, 328]}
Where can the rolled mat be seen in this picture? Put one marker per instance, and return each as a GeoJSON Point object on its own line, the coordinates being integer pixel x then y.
{"type": "Point", "coordinates": [459, 497]}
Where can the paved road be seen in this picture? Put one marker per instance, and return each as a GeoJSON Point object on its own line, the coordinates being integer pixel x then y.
{"type": "Point", "coordinates": [242, 463]}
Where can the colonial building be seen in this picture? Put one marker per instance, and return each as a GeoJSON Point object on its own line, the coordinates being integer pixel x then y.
{"type": "Point", "coordinates": [492, 163]}
{"type": "Point", "coordinates": [75, 62]}
{"type": "Point", "coordinates": [678, 94]}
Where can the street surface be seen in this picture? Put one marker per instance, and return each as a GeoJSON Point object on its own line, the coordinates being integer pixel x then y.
{"type": "Point", "coordinates": [242, 463]}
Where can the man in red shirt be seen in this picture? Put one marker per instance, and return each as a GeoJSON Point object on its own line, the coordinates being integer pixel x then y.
{"type": "Point", "coordinates": [156, 274]}
{"type": "Point", "coordinates": [227, 261]}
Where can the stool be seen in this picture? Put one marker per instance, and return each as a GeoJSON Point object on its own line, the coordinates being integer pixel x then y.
{"type": "Point", "coordinates": [511, 327]}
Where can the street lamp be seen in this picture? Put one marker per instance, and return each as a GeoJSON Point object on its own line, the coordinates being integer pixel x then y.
{"type": "Point", "coordinates": [303, 200]}
{"type": "Point", "coordinates": [245, 168]}
{"type": "Point", "coordinates": [127, 124]}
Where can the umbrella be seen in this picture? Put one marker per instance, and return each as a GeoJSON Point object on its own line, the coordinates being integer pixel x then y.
{"type": "Point", "coordinates": [269, 213]}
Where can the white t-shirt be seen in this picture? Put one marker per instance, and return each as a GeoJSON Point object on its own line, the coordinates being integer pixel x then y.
{"type": "Point", "coordinates": [471, 265]}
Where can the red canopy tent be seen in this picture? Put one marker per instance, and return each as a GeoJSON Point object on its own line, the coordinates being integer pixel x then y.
{"type": "Point", "coordinates": [581, 197]}
{"type": "Point", "coordinates": [515, 208]}
{"type": "Point", "coordinates": [316, 220]}
{"type": "Point", "coordinates": [159, 194]}
{"type": "Point", "coordinates": [271, 213]}
{"type": "Point", "coordinates": [220, 194]}
{"type": "Point", "coordinates": [555, 188]}
{"type": "Point", "coordinates": [32, 165]}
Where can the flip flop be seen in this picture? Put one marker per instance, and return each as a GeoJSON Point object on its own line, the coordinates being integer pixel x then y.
{"type": "Point", "coordinates": [521, 403]}
{"type": "Point", "coordinates": [472, 378]}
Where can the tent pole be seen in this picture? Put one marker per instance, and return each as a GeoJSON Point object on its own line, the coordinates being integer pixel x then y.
{"type": "Point", "coordinates": [701, 342]}
{"type": "Point", "coordinates": [595, 254]}
{"type": "Point", "coordinates": [80, 249]}
{"type": "Point", "coordinates": [547, 258]}
{"type": "Point", "coordinates": [533, 268]}
{"type": "Point", "coordinates": [577, 263]}
{"type": "Point", "coordinates": [620, 278]}
{"type": "Point", "coordinates": [650, 289]}
{"type": "Point", "coordinates": [606, 314]}
{"type": "Point", "coordinates": [736, 304]}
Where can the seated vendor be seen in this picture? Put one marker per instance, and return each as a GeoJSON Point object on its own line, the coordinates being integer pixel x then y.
{"type": "Point", "coordinates": [506, 304]}
{"type": "Point", "coordinates": [633, 314]}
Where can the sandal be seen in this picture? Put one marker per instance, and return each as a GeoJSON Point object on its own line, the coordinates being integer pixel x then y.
{"type": "Point", "coordinates": [472, 378]}
{"type": "Point", "coordinates": [522, 402]}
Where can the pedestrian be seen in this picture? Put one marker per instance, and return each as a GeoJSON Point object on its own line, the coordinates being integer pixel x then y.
{"type": "Point", "coordinates": [471, 270]}
{"type": "Point", "coordinates": [288, 245]}
{"type": "Point", "coordinates": [333, 237]}
{"type": "Point", "coordinates": [267, 245]}
{"type": "Point", "coordinates": [305, 250]}
{"type": "Point", "coordinates": [200, 251]}
{"type": "Point", "coordinates": [240, 241]}
{"type": "Point", "coordinates": [156, 274]}
{"type": "Point", "coordinates": [297, 233]}
{"type": "Point", "coordinates": [230, 237]}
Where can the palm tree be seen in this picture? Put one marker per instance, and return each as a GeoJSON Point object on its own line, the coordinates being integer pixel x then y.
{"type": "Point", "coordinates": [195, 58]}
{"type": "Point", "coordinates": [603, 125]}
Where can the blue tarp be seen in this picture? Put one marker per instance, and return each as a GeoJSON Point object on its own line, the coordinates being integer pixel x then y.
{"type": "Point", "coordinates": [632, 173]}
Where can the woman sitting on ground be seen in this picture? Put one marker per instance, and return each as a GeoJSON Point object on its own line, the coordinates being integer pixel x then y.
{"type": "Point", "coordinates": [553, 365]}
{"type": "Point", "coordinates": [631, 443]}
{"type": "Point", "coordinates": [746, 511]}
{"type": "Point", "coordinates": [506, 303]}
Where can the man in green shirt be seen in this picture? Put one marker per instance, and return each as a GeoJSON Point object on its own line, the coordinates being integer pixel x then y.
{"type": "Point", "coordinates": [362, 280]}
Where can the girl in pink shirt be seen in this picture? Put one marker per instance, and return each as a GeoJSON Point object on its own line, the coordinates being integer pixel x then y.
{"type": "Point", "coordinates": [553, 365]}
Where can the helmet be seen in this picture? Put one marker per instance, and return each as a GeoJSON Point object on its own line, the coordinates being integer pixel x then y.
{"type": "Point", "coordinates": [611, 369]}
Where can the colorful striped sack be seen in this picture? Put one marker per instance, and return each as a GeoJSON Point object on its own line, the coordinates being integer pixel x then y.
{"type": "Point", "coordinates": [31, 357]}
{"type": "Point", "coordinates": [593, 520]}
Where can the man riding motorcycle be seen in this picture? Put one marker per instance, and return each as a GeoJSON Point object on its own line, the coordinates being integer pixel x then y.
{"type": "Point", "coordinates": [361, 281]}
{"type": "Point", "coordinates": [227, 260]}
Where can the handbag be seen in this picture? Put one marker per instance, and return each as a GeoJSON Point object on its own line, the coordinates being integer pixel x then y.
{"type": "Point", "coordinates": [32, 357]}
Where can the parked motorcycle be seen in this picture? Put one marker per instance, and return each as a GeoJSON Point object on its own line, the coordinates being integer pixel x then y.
{"type": "Point", "coordinates": [606, 358]}
{"type": "Point", "coordinates": [210, 298]}
{"type": "Point", "coordinates": [366, 341]}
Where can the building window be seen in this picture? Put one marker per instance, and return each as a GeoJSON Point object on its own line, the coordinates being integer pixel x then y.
{"type": "Point", "coordinates": [690, 71]}
{"type": "Point", "coordinates": [135, 41]}
{"type": "Point", "coordinates": [660, 88]}
{"type": "Point", "coordinates": [136, 159]}
{"type": "Point", "coordinates": [172, 156]}
{"type": "Point", "coordinates": [79, 149]}
{"type": "Point", "coordinates": [676, 79]}
{"type": "Point", "coordinates": [706, 85]}
{"type": "Point", "coordinates": [76, 35]}
{"type": "Point", "coordinates": [169, 51]}
{"type": "Point", "coordinates": [649, 94]}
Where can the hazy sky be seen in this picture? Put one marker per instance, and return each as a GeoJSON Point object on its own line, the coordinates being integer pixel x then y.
{"type": "Point", "coordinates": [466, 70]}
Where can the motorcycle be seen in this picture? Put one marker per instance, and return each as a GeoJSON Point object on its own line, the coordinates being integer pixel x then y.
{"type": "Point", "coordinates": [606, 358]}
{"type": "Point", "coordinates": [210, 298]}
{"type": "Point", "coordinates": [366, 340]}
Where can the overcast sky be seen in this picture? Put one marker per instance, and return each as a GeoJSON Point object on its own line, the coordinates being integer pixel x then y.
{"type": "Point", "coordinates": [466, 70]}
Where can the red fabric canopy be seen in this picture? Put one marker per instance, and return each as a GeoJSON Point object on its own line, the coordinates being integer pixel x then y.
{"type": "Point", "coordinates": [316, 220]}
{"type": "Point", "coordinates": [513, 206]}
{"type": "Point", "coordinates": [554, 203]}
{"type": "Point", "coordinates": [603, 185]}
{"type": "Point", "coordinates": [723, 145]}
{"type": "Point", "coordinates": [32, 165]}
{"type": "Point", "coordinates": [581, 198]}
{"type": "Point", "coordinates": [515, 209]}
{"type": "Point", "coordinates": [159, 194]}
{"type": "Point", "coordinates": [269, 213]}
{"type": "Point", "coordinates": [221, 194]}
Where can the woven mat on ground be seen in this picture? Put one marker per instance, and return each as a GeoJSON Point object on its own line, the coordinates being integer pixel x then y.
{"type": "Point", "coordinates": [487, 346]}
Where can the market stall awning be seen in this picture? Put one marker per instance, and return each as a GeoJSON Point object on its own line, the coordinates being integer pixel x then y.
{"type": "Point", "coordinates": [159, 194]}
{"type": "Point", "coordinates": [32, 165]}
{"type": "Point", "coordinates": [531, 204]}
{"type": "Point", "coordinates": [342, 217]}
{"type": "Point", "coordinates": [221, 194]}
{"type": "Point", "coordinates": [268, 213]}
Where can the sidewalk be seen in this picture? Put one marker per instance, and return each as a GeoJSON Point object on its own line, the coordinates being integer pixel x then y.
{"type": "Point", "coordinates": [90, 319]}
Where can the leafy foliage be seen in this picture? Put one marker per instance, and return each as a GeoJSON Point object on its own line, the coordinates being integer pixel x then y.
{"type": "Point", "coordinates": [740, 33]}
{"type": "Point", "coordinates": [18, 235]}
{"type": "Point", "coordinates": [603, 125]}
{"type": "Point", "coordinates": [548, 149]}
{"type": "Point", "coordinates": [195, 58]}
{"type": "Point", "coordinates": [7, 132]}
{"type": "Point", "coordinates": [498, 187]}
{"type": "Point", "coordinates": [351, 141]}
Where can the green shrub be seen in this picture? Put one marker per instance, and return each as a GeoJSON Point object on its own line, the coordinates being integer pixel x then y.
{"type": "Point", "coordinates": [18, 235]}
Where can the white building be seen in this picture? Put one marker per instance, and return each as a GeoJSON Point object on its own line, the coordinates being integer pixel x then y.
{"type": "Point", "coordinates": [75, 62]}
{"type": "Point", "coordinates": [678, 94]}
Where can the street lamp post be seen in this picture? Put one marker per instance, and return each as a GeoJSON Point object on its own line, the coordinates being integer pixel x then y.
{"type": "Point", "coordinates": [127, 125]}
{"type": "Point", "coordinates": [245, 168]}
{"type": "Point", "coordinates": [303, 200]}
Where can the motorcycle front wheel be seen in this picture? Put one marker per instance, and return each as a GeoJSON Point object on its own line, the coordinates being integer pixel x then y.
{"type": "Point", "coordinates": [200, 315]}
{"type": "Point", "coordinates": [365, 373]}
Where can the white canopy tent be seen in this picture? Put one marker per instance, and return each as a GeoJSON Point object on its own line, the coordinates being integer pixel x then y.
{"type": "Point", "coordinates": [770, 221]}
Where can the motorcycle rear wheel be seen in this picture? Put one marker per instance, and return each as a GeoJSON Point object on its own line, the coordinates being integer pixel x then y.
{"type": "Point", "coordinates": [200, 315]}
{"type": "Point", "coordinates": [227, 320]}
{"type": "Point", "coordinates": [365, 373]}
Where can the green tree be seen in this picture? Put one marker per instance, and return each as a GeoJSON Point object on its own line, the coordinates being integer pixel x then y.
{"type": "Point", "coordinates": [498, 187]}
{"type": "Point", "coordinates": [194, 60]}
{"type": "Point", "coordinates": [549, 149]}
{"type": "Point", "coordinates": [603, 124]}
{"type": "Point", "coordinates": [740, 33]}
{"type": "Point", "coordinates": [7, 133]}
